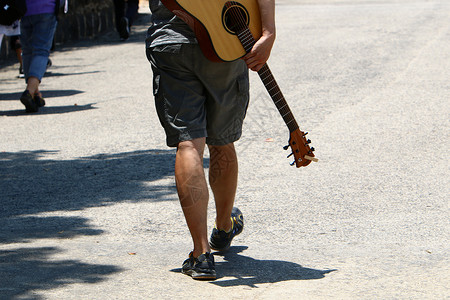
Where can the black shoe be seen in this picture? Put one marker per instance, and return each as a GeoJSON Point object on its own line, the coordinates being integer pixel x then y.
{"type": "Point", "coordinates": [39, 100]}
{"type": "Point", "coordinates": [201, 268]}
{"type": "Point", "coordinates": [124, 29]}
{"type": "Point", "coordinates": [29, 102]}
{"type": "Point", "coordinates": [220, 239]}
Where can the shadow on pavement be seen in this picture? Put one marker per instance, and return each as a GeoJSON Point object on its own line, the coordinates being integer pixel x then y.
{"type": "Point", "coordinates": [59, 74]}
{"type": "Point", "coordinates": [249, 271]}
{"type": "Point", "coordinates": [46, 93]}
{"type": "Point", "coordinates": [29, 269]}
{"type": "Point", "coordinates": [47, 110]}
{"type": "Point", "coordinates": [33, 184]}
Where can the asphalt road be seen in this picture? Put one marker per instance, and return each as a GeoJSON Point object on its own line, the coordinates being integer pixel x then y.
{"type": "Point", "coordinates": [88, 202]}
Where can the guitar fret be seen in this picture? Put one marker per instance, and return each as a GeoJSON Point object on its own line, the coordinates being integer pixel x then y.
{"type": "Point", "coordinates": [277, 93]}
{"type": "Point", "coordinates": [284, 113]}
{"type": "Point", "coordinates": [287, 114]}
{"type": "Point", "coordinates": [284, 110]}
{"type": "Point", "coordinates": [277, 100]}
{"type": "Point", "coordinates": [247, 37]}
{"type": "Point", "coordinates": [265, 71]}
{"type": "Point", "coordinates": [271, 88]}
{"type": "Point", "coordinates": [269, 81]}
{"type": "Point", "coordinates": [282, 107]}
{"type": "Point", "coordinates": [287, 123]}
{"type": "Point", "coordinates": [246, 40]}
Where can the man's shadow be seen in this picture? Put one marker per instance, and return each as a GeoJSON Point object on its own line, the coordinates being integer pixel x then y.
{"type": "Point", "coordinates": [248, 271]}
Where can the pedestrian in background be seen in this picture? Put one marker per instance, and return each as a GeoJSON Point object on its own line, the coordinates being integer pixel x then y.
{"type": "Point", "coordinates": [16, 46]}
{"type": "Point", "coordinates": [13, 32]}
{"type": "Point", "coordinates": [37, 30]}
{"type": "Point", "coordinates": [126, 12]}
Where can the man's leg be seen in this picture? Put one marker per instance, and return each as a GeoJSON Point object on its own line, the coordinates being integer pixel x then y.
{"type": "Point", "coordinates": [223, 175]}
{"type": "Point", "coordinates": [193, 191]}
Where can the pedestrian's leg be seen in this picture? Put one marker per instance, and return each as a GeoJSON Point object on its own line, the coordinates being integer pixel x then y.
{"type": "Point", "coordinates": [43, 30]}
{"type": "Point", "coordinates": [193, 191]}
{"type": "Point", "coordinates": [15, 44]}
{"type": "Point", "coordinates": [223, 174]}
{"type": "Point", "coordinates": [33, 85]}
{"type": "Point", "coordinates": [132, 11]}
{"type": "Point", "coordinates": [119, 10]}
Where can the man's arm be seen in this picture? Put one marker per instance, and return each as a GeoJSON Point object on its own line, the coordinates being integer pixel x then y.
{"type": "Point", "coordinates": [260, 52]}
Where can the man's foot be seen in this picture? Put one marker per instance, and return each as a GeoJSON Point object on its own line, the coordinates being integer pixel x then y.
{"type": "Point", "coordinates": [200, 268]}
{"type": "Point", "coordinates": [29, 102]}
{"type": "Point", "coordinates": [124, 29]}
{"type": "Point", "coordinates": [220, 239]}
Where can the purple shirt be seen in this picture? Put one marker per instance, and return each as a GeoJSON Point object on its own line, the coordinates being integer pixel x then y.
{"type": "Point", "coordinates": [35, 7]}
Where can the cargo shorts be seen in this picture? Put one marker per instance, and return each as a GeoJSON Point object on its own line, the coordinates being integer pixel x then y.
{"type": "Point", "coordinates": [197, 98]}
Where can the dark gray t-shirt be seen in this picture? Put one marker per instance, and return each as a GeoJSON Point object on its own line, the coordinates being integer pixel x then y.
{"type": "Point", "coordinates": [166, 28]}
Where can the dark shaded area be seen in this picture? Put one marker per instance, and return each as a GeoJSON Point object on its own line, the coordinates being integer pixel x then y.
{"type": "Point", "coordinates": [24, 228]}
{"type": "Point", "coordinates": [32, 184]}
{"type": "Point", "coordinates": [26, 269]}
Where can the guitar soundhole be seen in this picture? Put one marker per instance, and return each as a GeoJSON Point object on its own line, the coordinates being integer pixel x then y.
{"type": "Point", "coordinates": [234, 17]}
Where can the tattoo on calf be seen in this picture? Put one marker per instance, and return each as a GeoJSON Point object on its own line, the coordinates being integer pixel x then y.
{"type": "Point", "coordinates": [220, 160]}
{"type": "Point", "coordinates": [191, 191]}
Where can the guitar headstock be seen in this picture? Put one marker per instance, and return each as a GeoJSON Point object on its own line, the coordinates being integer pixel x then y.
{"type": "Point", "coordinates": [303, 154]}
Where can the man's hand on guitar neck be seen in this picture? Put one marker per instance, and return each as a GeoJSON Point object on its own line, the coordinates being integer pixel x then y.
{"type": "Point", "coordinates": [260, 52]}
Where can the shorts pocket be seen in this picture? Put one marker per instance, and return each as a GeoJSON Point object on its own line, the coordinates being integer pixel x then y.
{"type": "Point", "coordinates": [243, 84]}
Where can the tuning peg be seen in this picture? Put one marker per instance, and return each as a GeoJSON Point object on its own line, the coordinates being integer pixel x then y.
{"type": "Point", "coordinates": [305, 133]}
{"type": "Point", "coordinates": [290, 155]}
{"type": "Point", "coordinates": [293, 163]}
{"type": "Point", "coordinates": [286, 147]}
{"type": "Point", "coordinates": [312, 149]}
{"type": "Point", "coordinates": [308, 141]}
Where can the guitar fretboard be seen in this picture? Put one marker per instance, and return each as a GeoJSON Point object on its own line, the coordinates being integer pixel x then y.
{"type": "Point", "coordinates": [248, 41]}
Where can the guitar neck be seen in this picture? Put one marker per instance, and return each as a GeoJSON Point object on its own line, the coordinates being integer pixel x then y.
{"type": "Point", "coordinates": [277, 96]}
{"type": "Point", "coordinates": [247, 40]}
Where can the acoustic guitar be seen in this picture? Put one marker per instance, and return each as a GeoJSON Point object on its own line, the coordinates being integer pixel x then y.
{"type": "Point", "coordinates": [226, 31]}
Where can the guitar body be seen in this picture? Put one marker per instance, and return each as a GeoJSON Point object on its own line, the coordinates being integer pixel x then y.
{"type": "Point", "coordinates": [211, 24]}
